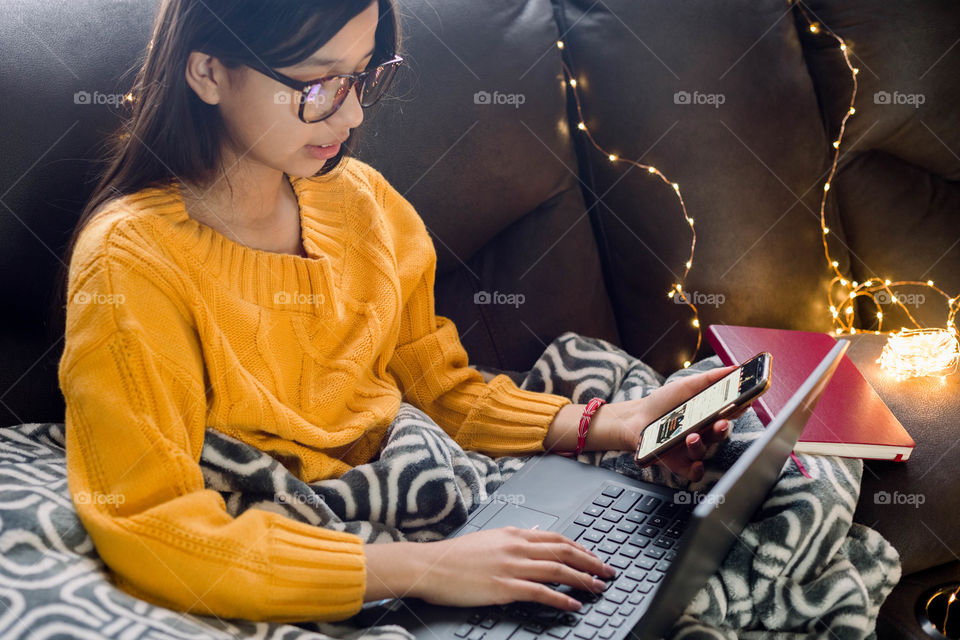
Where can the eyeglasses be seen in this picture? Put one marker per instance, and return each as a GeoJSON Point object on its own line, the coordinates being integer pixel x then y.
{"type": "Point", "coordinates": [319, 99]}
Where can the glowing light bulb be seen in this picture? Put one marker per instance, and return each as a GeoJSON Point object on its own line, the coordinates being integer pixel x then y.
{"type": "Point", "coordinates": [689, 264]}
{"type": "Point", "coordinates": [613, 157]}
{"type": "Point", "coordinates": [920, 352]}
{"type": "Point", "coordinates": [559, 44]}
{"type": "Point", "coordinates": [695, 323]}
{"type": "Point", "coordinates": [686, 363]}
{"type": "Point", "coordinates": [929, 283]}
{"type": "Point", "coordinates": [573, 82]}
{"type": "Point", "coordinates": [815, 27]}
{"type": "Point", "coordinates": [581, 126]}
{"type": "Point", "coordinates": [652, 169]}
{"type": "Point", "coordinates": [826, 230]}
{"type": "Point", "coordinates": [836, 264]}
{"type": "Point", "coordinates": [836, 144]}
{"type": "Point", "coordinates": [826, 186]}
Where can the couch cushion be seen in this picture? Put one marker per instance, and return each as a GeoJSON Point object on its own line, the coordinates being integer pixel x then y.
{"type": "Point", "coordinates": [477, 140]}
{"type": "Point", "coordinates": [898, 187]}
{"type": "Point", "coordinates": [59, 94]}
{"type": "Point", "coordinates": [750, 168]}
{"type": "Point", "coordinates": [913, 504]}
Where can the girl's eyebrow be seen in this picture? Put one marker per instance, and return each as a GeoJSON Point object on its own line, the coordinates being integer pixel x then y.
{"type": "Point", "coordinates": [320, 61]}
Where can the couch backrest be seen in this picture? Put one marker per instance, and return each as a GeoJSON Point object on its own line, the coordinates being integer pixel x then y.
{"type": "Point", "coordinates": [482, 139]}
{"type": "Point", "coordinates": [726, 99]}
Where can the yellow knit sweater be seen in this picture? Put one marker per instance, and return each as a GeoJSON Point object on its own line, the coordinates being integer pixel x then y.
{"type": "Point", "coordinates": [173, 328]}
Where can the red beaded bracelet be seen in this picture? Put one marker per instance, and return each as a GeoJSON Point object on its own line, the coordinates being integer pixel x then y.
{"type": "Point", "coordinates": [588, 411]}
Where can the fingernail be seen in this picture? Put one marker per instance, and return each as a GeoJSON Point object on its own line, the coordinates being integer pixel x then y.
{"type": "Point", "coordinates": [610, 571]}
{"type": "Point", "coordinates": [574, 604]}
{"type": "Point", "coordinates": [598, 584]}
{"type": "Point", "coordinates": [723, 429]}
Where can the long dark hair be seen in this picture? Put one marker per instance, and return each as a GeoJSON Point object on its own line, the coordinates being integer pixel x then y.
{"type": "Point", "coordinates": [170, 132]}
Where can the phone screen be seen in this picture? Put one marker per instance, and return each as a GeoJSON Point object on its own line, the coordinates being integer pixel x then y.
{"type": "Point", "coordinates": [701, 406]}
{"type": "Point", "coordinates": [714, 397]}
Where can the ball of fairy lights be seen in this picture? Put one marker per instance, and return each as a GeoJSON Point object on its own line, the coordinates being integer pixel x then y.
{"type": "Point", "coordinates": [920, 352]}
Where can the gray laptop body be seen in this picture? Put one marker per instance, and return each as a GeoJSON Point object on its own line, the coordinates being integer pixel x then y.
{"type": "Point", "coordinates": [668, 566]}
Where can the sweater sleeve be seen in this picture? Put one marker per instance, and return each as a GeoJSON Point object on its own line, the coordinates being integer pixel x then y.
{"type": "Point", "coordinates": [133, 378]}
{"type": "Point", "coordinates": [431, 368]}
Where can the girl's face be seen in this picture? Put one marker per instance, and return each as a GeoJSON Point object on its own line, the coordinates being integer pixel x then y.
{"type": "Point", "coordinates": [260, 113]}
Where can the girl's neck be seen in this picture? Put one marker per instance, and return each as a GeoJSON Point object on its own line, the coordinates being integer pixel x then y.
{"type": "Point", "coordinates": [261, 212]}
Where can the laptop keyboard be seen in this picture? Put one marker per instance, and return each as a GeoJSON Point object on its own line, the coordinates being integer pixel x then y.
{"type": "Point", "coordinates": [631, 530]}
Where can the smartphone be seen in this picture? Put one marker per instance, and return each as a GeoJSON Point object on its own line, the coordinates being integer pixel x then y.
{"type": "Point", "coordinates": [723, 398]}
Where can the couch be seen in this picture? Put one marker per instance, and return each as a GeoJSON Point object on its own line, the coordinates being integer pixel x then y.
{"type": "Point", "coordinates": [538, 232]}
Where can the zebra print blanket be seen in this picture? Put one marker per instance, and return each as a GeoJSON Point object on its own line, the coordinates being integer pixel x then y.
{"type": "Point", "coordinates": [802, 569]}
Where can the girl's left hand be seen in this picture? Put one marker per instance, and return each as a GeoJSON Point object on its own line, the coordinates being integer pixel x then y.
{"type": "Point", "coordinates": [630, 418]}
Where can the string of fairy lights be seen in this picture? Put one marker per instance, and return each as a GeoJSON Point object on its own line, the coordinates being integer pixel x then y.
{"type": "Point", "coordinates": [677, 288]}
{"type": "Point", "coordinates": [907, 353]}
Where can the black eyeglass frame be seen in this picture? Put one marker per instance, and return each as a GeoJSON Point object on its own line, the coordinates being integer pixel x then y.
{"type": "Point", "coordinates": [357, 81]}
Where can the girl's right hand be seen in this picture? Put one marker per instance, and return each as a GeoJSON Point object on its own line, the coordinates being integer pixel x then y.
{"type": "Point", "coordinates": [504, 565]}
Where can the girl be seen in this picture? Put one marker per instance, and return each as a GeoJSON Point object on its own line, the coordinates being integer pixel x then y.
{"type": "Point", "coordinates": [235, 269]}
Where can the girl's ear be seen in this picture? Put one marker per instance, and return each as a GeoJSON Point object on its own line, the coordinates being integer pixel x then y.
{"type": "Point", "coordinates": [205, 77]}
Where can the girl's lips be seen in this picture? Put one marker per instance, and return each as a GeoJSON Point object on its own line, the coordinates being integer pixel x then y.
{"type": "Point", "coordinates": [323, 153]}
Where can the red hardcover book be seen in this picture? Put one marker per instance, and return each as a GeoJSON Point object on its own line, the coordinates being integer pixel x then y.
{"type": "Point", "coordinates": [850, 420]}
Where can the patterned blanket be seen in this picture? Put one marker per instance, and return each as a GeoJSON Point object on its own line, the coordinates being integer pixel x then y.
{"type": "Point", "coordinates": [801, 569]}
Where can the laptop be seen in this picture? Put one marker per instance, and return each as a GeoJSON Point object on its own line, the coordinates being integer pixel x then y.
{"type": "Point", "coordinates": [663, 546]}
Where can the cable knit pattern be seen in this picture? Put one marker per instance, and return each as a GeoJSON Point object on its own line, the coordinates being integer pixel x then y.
{"type": "Point", "coordinates": [173, 327]}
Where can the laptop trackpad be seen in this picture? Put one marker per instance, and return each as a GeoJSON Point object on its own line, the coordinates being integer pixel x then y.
{"type": "Point", "coordinates": [521, 517]}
